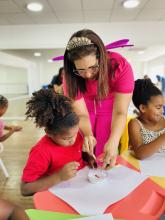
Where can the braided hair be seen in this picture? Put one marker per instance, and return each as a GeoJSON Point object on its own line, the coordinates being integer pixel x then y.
{"type": "Point", "coordinates": [3, 102]}
{"type": "Point", "coordinates": [143, 91]}
{"type": "Point", "coordinates": [51, 111]}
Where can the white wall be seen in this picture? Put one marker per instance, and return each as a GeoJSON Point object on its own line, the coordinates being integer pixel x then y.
{"type": "Point", "coordinates": [136, 63]}
{"type": "Point", "coordinates": [57, 35]}
{"type": "Point", "coordinates": [48, 70]}
{"type": "Point", "coordinates": [12, 64]}
{"type": "Point", "coordinates": [138, 68]}
{"type": "Point", "coordinates": [13, 80]}
{"type": "Point", "coordinates": [156, 67]}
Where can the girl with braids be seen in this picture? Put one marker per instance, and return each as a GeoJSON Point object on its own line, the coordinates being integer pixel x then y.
{"type": "Point", "coordinates": [10, 129]}
{"type": "Point", "coordinates": [58, 155]}
{"type": "Point", "coordinates": [101, 84]}
{"type": "Point", "coordinates": [147, 131]}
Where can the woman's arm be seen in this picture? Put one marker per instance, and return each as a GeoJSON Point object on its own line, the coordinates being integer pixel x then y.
{"type": "Point", "coordinates": [119, 117]}
{"type": "Point", "coordinates": [67, 172]}
{"type": "Point", "coordinates": [80, 109]}
{"type": "Point", "coordinates": [141, 150]}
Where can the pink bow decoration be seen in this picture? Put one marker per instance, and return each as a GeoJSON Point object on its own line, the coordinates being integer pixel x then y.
{"type": "Point", "coordinates": [113, 45]}
{"type": "Point", "coordinates": [119, 43]}
{"type": "Point", "coordinates": [58, 58]}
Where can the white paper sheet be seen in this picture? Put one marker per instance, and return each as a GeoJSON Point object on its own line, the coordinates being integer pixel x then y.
{"type": "Point", "coordinates": [92, 199]}
{"type": "Point", "coordinates": [154, 165]}
{"type": "Point", "coordinates": [98, 217]}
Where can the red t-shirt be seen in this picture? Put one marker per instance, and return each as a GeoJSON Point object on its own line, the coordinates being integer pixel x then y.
{"type": "Point", "coordinates": [46, 157]}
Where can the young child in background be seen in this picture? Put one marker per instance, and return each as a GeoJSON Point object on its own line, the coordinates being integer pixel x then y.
{"type": "Point", "coordinates": [147, 131]}
{"type": "Point", "coordinates": [10, 129]}
{"type": "Point", "coordinates": [56, 82]}
{"type": "Point", "coordinates": [11, 211]}
{"type": "Point", "coordinates": [58, 155]}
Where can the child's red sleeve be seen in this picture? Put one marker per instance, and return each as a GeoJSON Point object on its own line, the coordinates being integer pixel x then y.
{"type": "Point", "coordinates": [36, 166]}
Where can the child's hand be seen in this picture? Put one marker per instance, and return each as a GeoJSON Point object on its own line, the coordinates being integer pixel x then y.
{"type": "Point", "coordinates": [11, 129]}
{"type": "Point", "coordinates": [68, 171]}
{"type": "Point", "coordinates": [17, 128]}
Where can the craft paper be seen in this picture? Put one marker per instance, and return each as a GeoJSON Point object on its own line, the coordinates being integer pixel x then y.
{"type": "Point", "coordinates": [98, 217]}
{"type": "Point", "coordinates": [154, 165]}
{"type": "Point", "coordinates": [92, 199]}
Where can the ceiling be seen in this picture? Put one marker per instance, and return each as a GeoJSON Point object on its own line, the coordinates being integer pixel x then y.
{"type": "Point", "coordinates": [51, 28]}
{"type": "Point", "coordinates": [13, 12]}
{"type": "Point", "coordinates": [46, 54]}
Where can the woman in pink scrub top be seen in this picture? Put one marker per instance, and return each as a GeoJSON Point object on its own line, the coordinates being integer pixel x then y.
{"type": "Point", "coordinates": [101, 83]}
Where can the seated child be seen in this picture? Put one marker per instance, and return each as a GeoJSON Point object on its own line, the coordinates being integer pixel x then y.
{"type": "Point", "coordinates": [58, 155]}
{"type": "Point", "coordinates": [9, 211]}
{"type": "Point", "coordinates": [11, 129]}
{"type": "Point", "coordinates": [147, 131]}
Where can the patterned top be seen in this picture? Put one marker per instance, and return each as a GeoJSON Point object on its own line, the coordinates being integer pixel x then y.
{"type": "Point", "coordinates": [148, 135]}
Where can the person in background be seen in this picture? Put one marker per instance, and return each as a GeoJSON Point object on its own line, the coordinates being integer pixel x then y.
{"type": "Point", "coordinates": [56, 82]}
{"type": "Point", "coordinates": [146, 77]}
{"type": "Point", "coordinates": [135, 111]}
{"type": "Point", "coordinates": [147, 131]}
{"type": "Point", "coordinates": [101, 84]}
{"type": "Point", "coordinates": [10, 129]}
{"type": "Point", "coordinates": [10, 211]}
{"type": "Point", "coordinates": [58, 155]}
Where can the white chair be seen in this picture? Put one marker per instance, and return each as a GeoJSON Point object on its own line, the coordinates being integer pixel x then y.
{"type": "Point", "coordinates": [2, 164]}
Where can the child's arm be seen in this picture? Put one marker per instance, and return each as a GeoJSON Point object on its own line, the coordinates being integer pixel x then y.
{"type": "Point", "coordinates": [141, 150]}
{"type": "Point", "coordinates": [7, 135]}
{"type": "Point", "coordinates": [67, 172]}
{"type": "Point", "coordinates": [10, 211]}
{"type": "Point", "coordinates": [6, 127]}
{"type": "Point", "coordinates": [11, 130]}
{"type": "Point", "coordinates": [16, 128]}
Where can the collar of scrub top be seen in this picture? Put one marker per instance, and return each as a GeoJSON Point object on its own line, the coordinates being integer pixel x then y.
{"type": "Point", "coordinates": [113, 45]}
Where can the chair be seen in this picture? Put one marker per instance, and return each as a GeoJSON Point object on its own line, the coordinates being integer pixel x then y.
{"type": "Point", "coordinates": [124, 141]}
{"type": "Point", "coordinates": [2, 166]}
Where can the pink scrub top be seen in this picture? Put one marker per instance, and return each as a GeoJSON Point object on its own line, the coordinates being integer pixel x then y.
{"type": "Point", "coordinates": [100, 112]}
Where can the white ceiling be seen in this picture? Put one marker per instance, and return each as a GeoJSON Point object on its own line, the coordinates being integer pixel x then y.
{"type": "Point", "coordinates": [13, 12]}
{"type": "Point", "coordinates": [51, 28]}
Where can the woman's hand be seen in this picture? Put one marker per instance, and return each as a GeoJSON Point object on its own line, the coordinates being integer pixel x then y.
{"type": "Point", "coordinates": [89, 144]}
{"type": "Point", "coordinates": [90, 160]}
{"type": "Point", "coordinates": [109, 156]}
